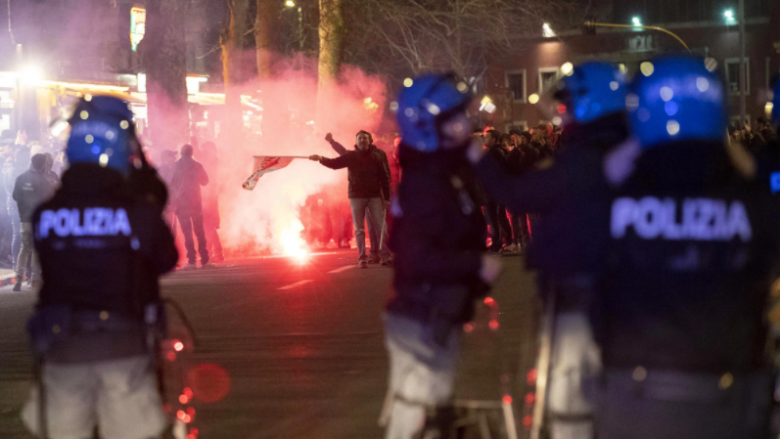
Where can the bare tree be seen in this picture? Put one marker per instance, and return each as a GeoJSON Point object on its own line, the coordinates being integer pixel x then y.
{"type": "Point", "coordinates": [232, 42]}
{"type": "Point", "coordinates": [454, 35]}
{"type": "Point", "coordinates": [163, 52]}
{"type": "Point", "coordinates": [266, 16]}
{"type": "Point", "coordinates": [332, 31]}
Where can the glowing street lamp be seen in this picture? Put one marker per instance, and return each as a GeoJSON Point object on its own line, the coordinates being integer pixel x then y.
{"type": "Point", "coordinates": [289, 4]}
{"type": "Point", "coordinates": [547, 31]}
{"type": "Point", "coordinates": [487, 105]}
{"type": "Point", "coordinates": [729, 14]}
{"type": "Point", "coordinates": [636, 21]}
{"type": "Point", "coordinates": [31, 75]}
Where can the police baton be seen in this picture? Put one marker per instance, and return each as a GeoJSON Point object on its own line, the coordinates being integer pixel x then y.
{"type": "Point", "coordinates": [546, 336]}
{"type": "Point", "coordinates": [43, 427]}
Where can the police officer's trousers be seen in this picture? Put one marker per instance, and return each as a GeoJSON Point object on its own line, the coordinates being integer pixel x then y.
{"type": "Point", "coordinates": [119, 396]}
{"type": "Point", "coordinates": [422, 375]}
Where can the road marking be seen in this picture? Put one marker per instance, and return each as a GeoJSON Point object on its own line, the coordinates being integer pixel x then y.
{"type": "Point", "coordinates": [345, 268]}
{"type": "Point", "coordinates": [296, 284]}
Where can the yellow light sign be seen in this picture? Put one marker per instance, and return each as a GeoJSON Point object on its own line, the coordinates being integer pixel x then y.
{"type": "Point", "coordinates": [137, 26]}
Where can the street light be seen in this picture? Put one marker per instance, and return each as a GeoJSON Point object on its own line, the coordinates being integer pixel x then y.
{"type": "Point", "coordinates": [729, 14]}
{"type": "Point", "coordinates": [31, 75]}
{"type": "Point", "coordinates": [547, 31]}
{"type": "Point", "coordinates": [636, 21]}
{"type": "Point", "coordinates": [289, 4]}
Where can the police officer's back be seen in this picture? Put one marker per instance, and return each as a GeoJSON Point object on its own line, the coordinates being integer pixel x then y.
{"type": "Point", "coordinates": [693, 241]}
{"type": "Point", "coordinates": [438, 239]}
{"type": "Point", "coordinates": [569, 249]}
{"type": "Point", "coordinates": [102, 248]}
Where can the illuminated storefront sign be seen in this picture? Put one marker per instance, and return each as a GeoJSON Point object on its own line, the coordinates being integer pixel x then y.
{"type": "Point", "coordinates": [137, 26]}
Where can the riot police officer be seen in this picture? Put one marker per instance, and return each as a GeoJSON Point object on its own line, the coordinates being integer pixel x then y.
{"type": "Point", "coordinates": [439, 270]}
{"type": "Point", "coordinates": [571, 245]}
{"type": "Point", "coordinates": [693, 240]}
{"type": "Point", "coordinates": [102, 244]}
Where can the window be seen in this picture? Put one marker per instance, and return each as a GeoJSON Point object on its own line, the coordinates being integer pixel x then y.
{"type": "Point", "coordinates": [640, 43]}
{"type": "Point", "coordinates": [547, 78]}
{"type": "Point", "coordinates": [732, 75]}
{"type": "Point", "coordinates": [515, 82]}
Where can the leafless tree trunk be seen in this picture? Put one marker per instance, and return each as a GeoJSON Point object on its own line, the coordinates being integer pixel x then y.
{"type": "Point", "coordinates": [232, 56]}
{"type": "Point", "coordinates": [332, 31]}
{"type": "Point", "coordinates": [264, 35]}
{"type": "Point", "coordinates": [163, 53]}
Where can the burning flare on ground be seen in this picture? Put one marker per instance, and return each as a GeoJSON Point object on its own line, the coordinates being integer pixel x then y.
{"type": "Point", "coordinates": [296, 114]}
{"type": "Point", "coordinates": [292, 243]}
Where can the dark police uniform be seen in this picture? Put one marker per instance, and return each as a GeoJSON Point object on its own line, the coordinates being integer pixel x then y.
{"type": "Point", "coordinates": [682, 321]}
{"type": "Point", "coordinates": [102, 249]}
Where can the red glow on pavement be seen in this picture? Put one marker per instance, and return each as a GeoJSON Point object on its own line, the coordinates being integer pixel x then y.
{"type": "Point", "coordinates": [531, 376]}
{"type": "Point", "coordinates": [527, 421]}
{"type": "Point", "coordinates": [493, 324]}
{"type": "Point", "coordinates": [183, 399]}
{"type": "Point", "coordinates": [507, 399]}
{"type": "Point", "coordinates": [530, 398]}
{"type": "Point", "coordinates": [489, 301]}
{"type": "Point", "coordinates": [468, 327]}
{"type": "Point", "coordinates": [299, 351]}
{"type": "Point", "coordinates": [209, 382]}
{"type": "Point", "coordinates": [178, 346]}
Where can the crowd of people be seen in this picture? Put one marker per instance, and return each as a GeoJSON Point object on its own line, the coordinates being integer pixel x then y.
{"type": "Point", "coordinates": [31, 172]}
{"type": "Point", "coordinates": [326, 217]}
{"type": "Point", "coordinates": [520, 152]}
{"type": "Point", "coordinates": [194, 201]}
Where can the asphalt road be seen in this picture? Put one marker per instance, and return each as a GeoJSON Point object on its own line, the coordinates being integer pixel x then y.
{"type": "Point", "coordinates": [301, 345]}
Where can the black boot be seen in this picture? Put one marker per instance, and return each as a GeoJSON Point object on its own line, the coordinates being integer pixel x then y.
{"type": "Point", "coordinates": [18, 286]}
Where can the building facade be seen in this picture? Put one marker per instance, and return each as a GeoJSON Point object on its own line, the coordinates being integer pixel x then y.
{"type": "Point", "coordinates": [709, 29]}
{"type": "Point", "coordinates": [55, 51]}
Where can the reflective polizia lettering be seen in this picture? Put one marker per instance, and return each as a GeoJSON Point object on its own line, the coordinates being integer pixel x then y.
{"type": "Point", "coordinates": [699, 219]}
{"type": "Point", "coordinates": [93, 221]}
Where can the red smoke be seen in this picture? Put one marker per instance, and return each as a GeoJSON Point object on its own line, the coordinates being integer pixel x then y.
{"type": "Point", "coordinates": [268, 218]}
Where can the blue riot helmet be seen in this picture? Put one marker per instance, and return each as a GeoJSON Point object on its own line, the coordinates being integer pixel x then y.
{"type": "Point", "coordinates": [590, 91]}
{"type": "Point", "coordinates": [424, 104]}
{"type": "Point", "coordinates": [676, 98]}
{"type": "Point", "coordinates": [100, 131]}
